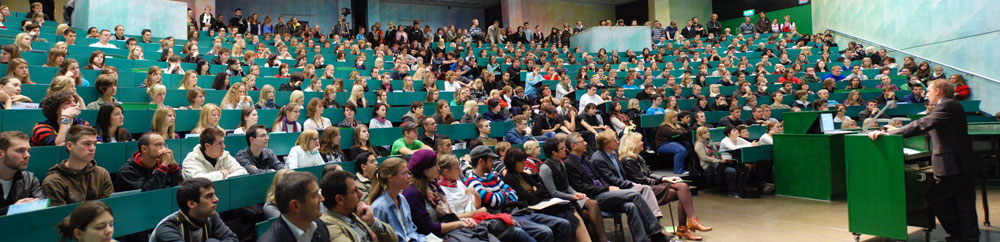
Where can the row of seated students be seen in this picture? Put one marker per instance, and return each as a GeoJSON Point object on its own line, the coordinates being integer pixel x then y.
{"type": "Point", "coordinates": [448, 196]}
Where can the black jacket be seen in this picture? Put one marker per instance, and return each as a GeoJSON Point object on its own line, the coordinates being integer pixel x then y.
{"type": "Point", "coordinates": [280, 231]}
{"type": "Point", "coordinates": [583, 182]}
{"type": "Point", "coordinates": [525, 197]}
{"type": "Point", "coordinates": [132, 175]}
{"type": "Point", "coordinates": [24, 185]}
{"type": "Point", "coordinates": [948, 131]}
{"type": "Point", "coordinates": [177, 227]}
{"type": "Point", "coordinates": [267, 162]}
{"type": "Point", "coordinates": [543, 123]}
{"type": "Point", "coordinates": [638, 171]}
{"type": "Point", "coordinates": [192, 59]}
{"type": "Point", "coordinates": [608, 171]}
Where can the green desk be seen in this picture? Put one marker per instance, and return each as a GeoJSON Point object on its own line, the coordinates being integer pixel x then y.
{"type": "Point", "coordinates": [809, 166]}
{"type": "Point", "coordinates": [884, 196]}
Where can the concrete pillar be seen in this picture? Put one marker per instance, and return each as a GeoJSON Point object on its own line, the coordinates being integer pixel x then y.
{"type": "Point", "coordinates": [659, 10]}
{"type": "Point", "coordinates": [511, 11]}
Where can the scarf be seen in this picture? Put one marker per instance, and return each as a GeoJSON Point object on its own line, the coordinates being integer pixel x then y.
{"type": "Point", "coordinates": [381, 120]}
{"type": "Point", "coordinates": [286, 123]}
{"type": "Point", "coordinates": [444, 182]}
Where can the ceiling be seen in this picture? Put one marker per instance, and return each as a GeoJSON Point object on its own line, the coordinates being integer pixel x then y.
{"type": "Point", "coordinates": [489, 3]}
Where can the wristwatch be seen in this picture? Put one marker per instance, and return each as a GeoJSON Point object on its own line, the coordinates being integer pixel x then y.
{"type": "Point", "coordinates": [65, 120]}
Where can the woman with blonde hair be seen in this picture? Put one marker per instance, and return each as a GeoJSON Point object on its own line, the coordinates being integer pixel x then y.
{"type": "Point", "coordinates": [190, 81]}
{"type": "Point", "coordinates": [270, 203]}
{"type": "Point", "coordinates": [163, 123]}
{"type": "Point", "coordinates": [665, 188]}
{"type": "Point", "coordinates": [157, 95]}
{"type": "Point", "coordinates": [407, 84]}
{"type": "Point", "coordinates": [297, 97]}
{"type": "Point", "coordinates": [23, 42]}
{"type": "Point", "coordinates": [60, 83]}
{"type": "Point", "coordinates": [287, 120]}
{"type": "Point", "coordinates": [328, 72]}
{"type": "Point", "coordinates": [668, 140]}
{"type": "Point", "coordinates": [358, 96]}
{"type": "Point", "coordinates": [266, 99]}
{"type": "Point", "coordinates": [18, 67]}
{"type": "Point", "coordinates": [305, 153]}
{"type": "Point", "coordinates": [56, 58]}
{"type": "Point", "coordinates": [209, 117]}
{"type": "Point", "coordinates": [236, 98]}
{"type": "Point", "coordinates": [471, 111]}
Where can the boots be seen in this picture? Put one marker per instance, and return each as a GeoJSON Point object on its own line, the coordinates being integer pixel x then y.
{"type": "Point", "coordinates": [694, 224]}
{"type": "Point", "coordinates": [684, 233]}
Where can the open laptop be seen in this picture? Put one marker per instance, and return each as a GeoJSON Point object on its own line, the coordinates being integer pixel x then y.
{"type": "Point", "coordinates": [826, 125]}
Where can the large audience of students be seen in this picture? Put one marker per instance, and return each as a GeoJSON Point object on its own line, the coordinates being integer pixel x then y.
{"type": "Point", "coordinates": [595, 160]}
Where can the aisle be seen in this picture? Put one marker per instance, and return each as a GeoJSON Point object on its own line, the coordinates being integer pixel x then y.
{"type": "Point", "coordinates": [772, 218]}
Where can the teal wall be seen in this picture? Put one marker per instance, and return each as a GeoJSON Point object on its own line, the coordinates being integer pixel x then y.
{"type": "Point", "coordinates": [801, 16]}
{"type": "Point", "coordinates": [961, 34]}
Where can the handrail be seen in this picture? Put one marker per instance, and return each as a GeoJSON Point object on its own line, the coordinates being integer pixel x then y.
{"type": "Point", "coordinates": [915, 55]}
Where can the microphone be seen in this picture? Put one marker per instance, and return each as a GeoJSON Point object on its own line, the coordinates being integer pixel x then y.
{"type": "Point", "coordinates": [891, 104]}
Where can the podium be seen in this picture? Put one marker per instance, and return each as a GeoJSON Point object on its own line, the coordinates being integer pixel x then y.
{"type": "Point", "coordinates": [885, 194]}
{"type": "Point", "coordinates": [807, 163]}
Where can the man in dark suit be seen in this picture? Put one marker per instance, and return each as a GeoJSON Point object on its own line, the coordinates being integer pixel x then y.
{"type": "Point", "coordinates": [642, 223]}
{"type": "Point", "coordinates": [952, 196]}
{"type": "Point", "coordinates": [298, 197]}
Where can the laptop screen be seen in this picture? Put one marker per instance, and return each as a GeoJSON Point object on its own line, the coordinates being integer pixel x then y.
{"type": "Point", "coordinates": [826, 122]}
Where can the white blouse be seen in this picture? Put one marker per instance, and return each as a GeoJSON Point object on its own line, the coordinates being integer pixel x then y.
{"type": "Point", "coordinates": [300, 158]}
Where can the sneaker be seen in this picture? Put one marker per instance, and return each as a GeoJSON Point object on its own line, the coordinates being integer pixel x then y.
{"type": "Point", "coordinates": [685, 173]}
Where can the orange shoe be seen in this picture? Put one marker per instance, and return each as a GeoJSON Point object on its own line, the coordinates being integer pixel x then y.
{"type": "Point", "coordinates": [694, 224]}
{"type": "Point", "coordinates": [684, 233]}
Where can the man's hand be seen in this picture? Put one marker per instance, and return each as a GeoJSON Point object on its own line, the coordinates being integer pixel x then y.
{"type": "Point", "coordinates": [579, 196]}
{"type": "Point", "coordinates": [167, 157]}
{"type": "Point", "coordinates": [70, 112]}
{"type": "Point", "coordinates": [613, 188]}
{"type": "Point", "coordinates": [225, 173]}
{"type": "Point", "coordinates": [26, 200]}
{"type": "Point", "coordinates": [875, 135]}
{"type": "Point", "coordinates": [365, 212]}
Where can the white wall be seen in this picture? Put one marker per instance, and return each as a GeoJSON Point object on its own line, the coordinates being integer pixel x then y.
{"type": "Point", "coordinates": [908, 24]}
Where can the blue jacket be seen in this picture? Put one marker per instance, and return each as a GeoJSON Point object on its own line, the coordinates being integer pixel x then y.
{"type": "Point", "coordinates": [514, 137]}
{"type": "Point", "coordinates": [494, 117]}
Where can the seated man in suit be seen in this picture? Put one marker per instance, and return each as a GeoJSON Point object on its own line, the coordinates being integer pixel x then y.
{"type": "Point", "coordinates": [298, 197]}
{"type": "Point", "coordinates": [642, 224]}
{"type": "Point", "coordinates": [609, 168]}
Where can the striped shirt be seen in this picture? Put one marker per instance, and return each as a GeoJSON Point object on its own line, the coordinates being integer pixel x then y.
{"type": "Point", "coordinates": [492, 190]}
{"type": "Point", "coordinates": [44, 133]}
